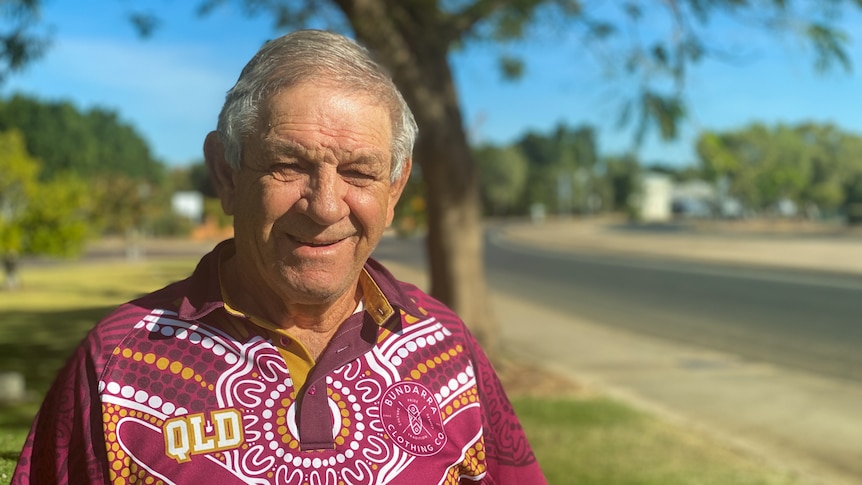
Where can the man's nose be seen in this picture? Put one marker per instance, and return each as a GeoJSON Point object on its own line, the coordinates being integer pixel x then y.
{"type": "Point", "coordinates": [325, 198]}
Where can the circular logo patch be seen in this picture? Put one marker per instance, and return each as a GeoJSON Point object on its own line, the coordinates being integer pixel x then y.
{"type": "Point", "coordinates": [411, 418]}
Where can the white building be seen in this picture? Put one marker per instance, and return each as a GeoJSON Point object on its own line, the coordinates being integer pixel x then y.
{"type": "Point", "coordinates": [655, 203]}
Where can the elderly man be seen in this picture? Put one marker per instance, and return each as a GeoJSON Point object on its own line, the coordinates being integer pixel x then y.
{"type": "Point", "coordinates": [289, 356]}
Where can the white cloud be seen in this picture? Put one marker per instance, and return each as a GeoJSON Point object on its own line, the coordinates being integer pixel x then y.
{"type": "Point", "coordinates": [170, 92]}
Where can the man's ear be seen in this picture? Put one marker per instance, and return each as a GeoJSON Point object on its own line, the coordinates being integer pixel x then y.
{"type": "Point", "coordinates": [397, 188]}
{"type": "Point", "coordinates": [220, 171]}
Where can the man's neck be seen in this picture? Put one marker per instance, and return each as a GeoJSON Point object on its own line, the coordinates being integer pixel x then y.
{"type": "Point", "coordinates": [312, 324]}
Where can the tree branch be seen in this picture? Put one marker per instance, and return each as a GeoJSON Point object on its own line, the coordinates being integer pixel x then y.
{"type": "Point", "coordinates": [463, 21]}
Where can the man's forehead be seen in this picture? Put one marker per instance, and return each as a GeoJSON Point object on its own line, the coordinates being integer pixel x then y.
{"type": "Point", "coordinates": [308, 111]}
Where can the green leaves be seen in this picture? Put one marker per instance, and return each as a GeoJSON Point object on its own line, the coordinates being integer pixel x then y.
{"type": "Point", "coordinates": [503, 176]}
{"type": "Point", "coordinates": [808, 164]}
{"type": "Point", "coordinates": [20, 42]}
{"type": "Point", "coordinates": [64, 138]}
{"type": "Point", "coordinates": [38, 218]}
{"type": "Point", "coordinates": [828, 47]}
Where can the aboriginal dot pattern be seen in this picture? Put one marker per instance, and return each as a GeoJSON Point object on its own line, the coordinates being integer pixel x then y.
{"type": "Point", "coordinates": [180, 369]}
{"type": "Point", "coordinates": [122, 468]}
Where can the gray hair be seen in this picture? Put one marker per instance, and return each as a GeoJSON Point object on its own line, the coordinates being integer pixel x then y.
{"type": "Point", "coordinates": [300, 56]}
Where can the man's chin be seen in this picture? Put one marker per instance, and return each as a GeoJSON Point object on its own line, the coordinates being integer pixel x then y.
{"type": "Point", "coordinates": [316, 288]}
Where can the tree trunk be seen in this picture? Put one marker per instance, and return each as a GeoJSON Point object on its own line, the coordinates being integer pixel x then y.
{"type": "Point", "coordinates": [455, 234]}
{"type": "Point", "coordinates": [10, 270]}
{"type": "Point", "coordinates": [417, 56]}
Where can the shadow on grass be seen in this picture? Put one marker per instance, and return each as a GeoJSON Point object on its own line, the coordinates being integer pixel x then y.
{"type": "Point", "coordinates": [37, 344]}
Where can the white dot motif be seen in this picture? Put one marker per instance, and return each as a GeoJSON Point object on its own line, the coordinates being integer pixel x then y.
{"type": "Point", "coordinates": [453, 384]}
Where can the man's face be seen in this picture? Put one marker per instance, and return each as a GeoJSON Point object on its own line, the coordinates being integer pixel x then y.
{"type": "Point", "coordinates": [313, 196]}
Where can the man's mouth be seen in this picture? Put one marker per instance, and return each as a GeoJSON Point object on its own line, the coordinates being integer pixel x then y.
{"type": "Point", "coordinates": [316, 244]}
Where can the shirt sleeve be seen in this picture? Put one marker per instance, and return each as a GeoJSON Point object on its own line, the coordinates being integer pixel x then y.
{"type": "Point", "coordinates": [509, 457]}
{"type": "Point", "coordinates": [66, 442]}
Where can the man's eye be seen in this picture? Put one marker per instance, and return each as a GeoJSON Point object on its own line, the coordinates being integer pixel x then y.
{"type": "Point", "coordinates": [285, 171]}
{"type": "Point", "coordinates": [358, 174]}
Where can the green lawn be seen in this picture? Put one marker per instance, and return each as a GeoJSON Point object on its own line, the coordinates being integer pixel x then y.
{"type": "Point", "coordinates": [577, 440]}
{"type": "Point", "coordinates": [598, 441]}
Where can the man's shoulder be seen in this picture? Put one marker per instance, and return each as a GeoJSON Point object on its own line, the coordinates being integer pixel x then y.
{"type": "Point", "coordinates": [407, 295]}
{"type": "Point", "coordinates": [124, 317]}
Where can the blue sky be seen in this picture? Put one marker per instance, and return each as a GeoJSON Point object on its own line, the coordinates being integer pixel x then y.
{"type": "Point", "coordinates": [171, 86]}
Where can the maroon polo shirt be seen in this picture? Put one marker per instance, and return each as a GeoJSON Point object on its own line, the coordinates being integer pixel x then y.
{"type": "Point", "coordinates": [174, 388]}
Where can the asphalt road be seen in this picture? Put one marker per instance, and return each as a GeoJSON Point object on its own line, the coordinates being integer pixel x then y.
{"type": "Point", "coordinates": [803, 320]}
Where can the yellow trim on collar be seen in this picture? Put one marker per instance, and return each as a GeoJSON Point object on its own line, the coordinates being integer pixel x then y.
{"type": "Point", "coordinates": [376, 303]}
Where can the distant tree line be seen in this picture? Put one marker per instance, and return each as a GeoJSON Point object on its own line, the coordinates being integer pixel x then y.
{"type": "Point", "coordinates": [560, 172]}
{"type": "Point", "coordinates": [69, 174]}
{"type": "Point", "coordinates": [816, 167]}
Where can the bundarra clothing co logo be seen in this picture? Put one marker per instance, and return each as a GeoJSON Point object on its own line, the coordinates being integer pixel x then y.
{"type": "Point", "coordinates": [411, 417]}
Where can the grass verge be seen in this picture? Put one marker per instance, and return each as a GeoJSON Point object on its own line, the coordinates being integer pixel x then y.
{"type": "Point", "coordinates": [595, 440]}
{"type": "Point", "coordinates": [577, 439]}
